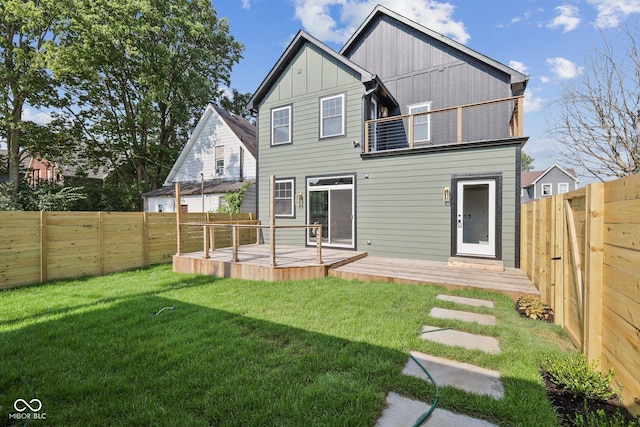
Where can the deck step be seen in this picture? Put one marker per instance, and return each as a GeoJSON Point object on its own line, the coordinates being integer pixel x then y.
{"type": "Point", "coordinates": [477, 263]}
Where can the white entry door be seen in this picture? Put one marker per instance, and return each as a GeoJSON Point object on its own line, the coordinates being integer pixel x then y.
{"type": "Point", "coordinates": [476, 217]}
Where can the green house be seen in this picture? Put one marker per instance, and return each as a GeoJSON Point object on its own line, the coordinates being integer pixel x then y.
{"type": "Point", "coordinates": [403, 144]}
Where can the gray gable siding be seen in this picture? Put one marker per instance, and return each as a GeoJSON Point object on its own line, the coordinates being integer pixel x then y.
{"type": "Point", "coordinates": [417, 68]}
{"type": "Point", "coordinates": [554, 177]}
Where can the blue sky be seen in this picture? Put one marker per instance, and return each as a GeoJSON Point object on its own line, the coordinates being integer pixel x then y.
{"type": "Point", "coordinates": [548, 40]}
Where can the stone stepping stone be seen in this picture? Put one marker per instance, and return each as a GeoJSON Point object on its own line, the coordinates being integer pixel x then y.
{"type": "Point", "coordinates": [446, 372]}
{"type": "Point", "coordinates": [402, 411]}
{"type": "Point", "coordinates": [445, 313]}
{"type": "Point", "coordinates": [466, 301]}
{"type": "Point", "coordinates": [466, 340]}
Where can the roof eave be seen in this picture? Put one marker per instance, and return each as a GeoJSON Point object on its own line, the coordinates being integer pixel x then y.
{"type": "Point", "coordinates": [298, 41]}
{"type": "Point", "coordinates": [516, 76]}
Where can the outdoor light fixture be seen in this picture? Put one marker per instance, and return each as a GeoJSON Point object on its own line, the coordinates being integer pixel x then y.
{"type": "Point", "coordinates": [446, 195]}
{"type": "Point", "coordinates": [299, 201]}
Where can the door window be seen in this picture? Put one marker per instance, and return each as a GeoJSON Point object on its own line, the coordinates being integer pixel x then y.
{"type": "Point", "coordinates": [331, 205]}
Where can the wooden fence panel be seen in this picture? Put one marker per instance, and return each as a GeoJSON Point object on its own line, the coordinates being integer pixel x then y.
{"type": "Point", "coordinates": [602, 316]}
{"type": "Point", "coordinates": [40, 246]}
{"type": "Point", "coordinates": [19, 248]}
{"type": "Point", "coordinates": [621, 285]}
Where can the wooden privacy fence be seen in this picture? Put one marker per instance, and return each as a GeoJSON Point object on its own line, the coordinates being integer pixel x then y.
{"type": "Point", "coordinates": [582, 250]}
{"type": "Point", "coordinates": [40, 246]}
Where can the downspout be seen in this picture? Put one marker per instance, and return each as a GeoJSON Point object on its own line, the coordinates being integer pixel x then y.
{"type": "Point", "coordinates": [365, 109]}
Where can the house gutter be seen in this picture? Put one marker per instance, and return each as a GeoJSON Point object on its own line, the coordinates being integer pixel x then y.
{"type": "Point", "coordinates": [364, 110]}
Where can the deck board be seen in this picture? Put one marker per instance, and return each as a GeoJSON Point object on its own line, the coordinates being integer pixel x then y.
{"type": "Point", "coordinates": [298, 263]}
{"type": "Point", "coordinates": [513, 282]}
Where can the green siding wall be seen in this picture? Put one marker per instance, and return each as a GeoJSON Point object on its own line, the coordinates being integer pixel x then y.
{"type": "Point", "coordinates": [399, 207]}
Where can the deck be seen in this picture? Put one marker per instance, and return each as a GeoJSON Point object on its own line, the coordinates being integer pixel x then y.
{"type": "Point", "coordinates": [299, 263]}
{"type": "Point", "coordinates": [254, 262]}
{"type": "Point", "coordinates": [512, 281]}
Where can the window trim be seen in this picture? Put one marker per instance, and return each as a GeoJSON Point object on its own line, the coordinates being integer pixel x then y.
{"type": "Point", "coordinates": [549, 186]}
{"type": "Point", "coordinates": [293, 193]}
{"type": "Point", "coordinates": [288, 107]}
{"type": "Point", "coordinates": [566, 186]}
{"type": "Point", "coordinates": [343, 116]}
{"type": "Point", "coordinates": [428, 123]}
{"type": "Point", "coordinates": [216, 159]}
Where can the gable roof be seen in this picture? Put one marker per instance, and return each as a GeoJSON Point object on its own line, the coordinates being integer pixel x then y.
{"type": "Point", "coordinates": [301, 38]}
{"type": "Point", "coordinates": [243, 129]}
{"type": "Point", "coordinates": [380, 11]}
{"type": "Point", "coordinates": [529, 178]}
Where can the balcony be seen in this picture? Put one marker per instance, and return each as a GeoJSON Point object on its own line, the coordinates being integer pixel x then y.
{"type": "Point", "coordinates": [482, 121]}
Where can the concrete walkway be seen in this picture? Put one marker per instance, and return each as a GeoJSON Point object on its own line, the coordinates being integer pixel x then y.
{"type": "Point", "coordinates": [401, 411]}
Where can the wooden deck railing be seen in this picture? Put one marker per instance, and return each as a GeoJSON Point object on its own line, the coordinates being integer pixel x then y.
{"type": "Point", "coordinates": [494, 119]}
{"type": "Point", "coordinates": [208, 233]}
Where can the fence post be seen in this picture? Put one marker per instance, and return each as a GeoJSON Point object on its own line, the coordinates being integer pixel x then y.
{"type": "Point", "coordinates": [593, 269]}
{"type": "Point", "coordinates": [145, 238]}
{"type": "Point", "coordinates": [43, 246]}
{"type": "Point", "coordinates": [178, 219]}
{"type": "Point", "coordinates": [557, 266]}
{"type": "Point", "coordinates": [100, 245]}
{"type": "Point", "coordinates": [543, 256]}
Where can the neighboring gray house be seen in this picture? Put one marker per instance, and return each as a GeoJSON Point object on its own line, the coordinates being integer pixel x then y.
{"type": "Point", "coordinates": [370, 143]}
{"type": "Point", "coordinates": [546, 183]}
{"type": "Point", "coordinates": [220, 156]}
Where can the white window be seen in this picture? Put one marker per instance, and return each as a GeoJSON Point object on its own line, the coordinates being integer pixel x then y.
{"type": "Point", "coordinates": [332, 116]}
{"type": "Point", "coordinates": [546, 189]}
{"type": "Point", "coordinates": [563, 187]}
{"type": "Point", "coordinates": [281, 125]}
{"type": "Point", "coordinates": [220, 160]}
{"type": "Point", "coordinates": [284, 198]}
{"type": "Point", "coordinates": [421, 123]}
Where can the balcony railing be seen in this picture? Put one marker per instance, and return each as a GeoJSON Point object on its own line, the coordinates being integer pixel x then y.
{"type": "Point", "coordinates": [488, 120]}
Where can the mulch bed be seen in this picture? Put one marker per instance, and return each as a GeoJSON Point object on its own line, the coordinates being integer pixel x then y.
{"type": "Point", "coordinates": [567, 406]}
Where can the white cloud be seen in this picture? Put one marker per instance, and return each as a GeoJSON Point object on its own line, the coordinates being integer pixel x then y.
{"type": "Point", "coordinates": [563, 68]}
{"type": "Point", "coordinates": [519, 66]}
{"type": "Point", "coordinates": [532, 103]}
{"type": "Point", "coordinates": [611, 12]}
{"type": "Point", "coordinates": [336, 20]}
{"type": "Point", "coordinates": [545, 79]}
{"type": "Point", "coordinates": [40, 118]}
{"type": "Point", "coordinates": [568, 19]}
{"type": "Point", "coordinates": [524, 17]}
{"type": "Point", "coordinates": [246, 4]}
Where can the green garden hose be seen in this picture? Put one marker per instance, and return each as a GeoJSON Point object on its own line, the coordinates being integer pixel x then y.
{"type": "Point", "coordinates": [426, 415]}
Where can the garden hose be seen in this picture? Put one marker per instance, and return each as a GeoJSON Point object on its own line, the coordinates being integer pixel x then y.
{"type": "Point", "coordinates": [426, 415]}
{"type": "Point", "coordinates": [163, 309]}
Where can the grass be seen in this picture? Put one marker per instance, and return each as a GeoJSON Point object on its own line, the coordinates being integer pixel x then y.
{"type": "Point", "coordinates": [317, 353]}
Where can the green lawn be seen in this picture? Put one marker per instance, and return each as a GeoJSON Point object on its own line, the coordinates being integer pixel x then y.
{"type": "Point", "coordinates": [307, 353]}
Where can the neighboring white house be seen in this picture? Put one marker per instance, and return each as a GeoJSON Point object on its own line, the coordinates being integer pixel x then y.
{"type": "Point", "coordinates": [220, 156]}
{"type": "Point", "coordinates": [554, 180]}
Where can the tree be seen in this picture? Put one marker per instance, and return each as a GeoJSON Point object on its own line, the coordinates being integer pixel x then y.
{"type": "Point", "coordinates": [137, 73]}
{"type": "Point", "coordinates": [236, 103]}
{"type": "Point", "coordinates": [526, 162]}
{"type": "Point", "coordinates": [28, 31]}
{"type": "Point", "coordinates": [598, 123]}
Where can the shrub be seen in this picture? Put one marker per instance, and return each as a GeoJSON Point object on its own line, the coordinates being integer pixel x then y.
{"type": "Point", "coordinates": [534, 308]}
{"type": "Point", "coordinates": [580, 378]}
{"type": "Point", "coordinates": [600, 418]}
